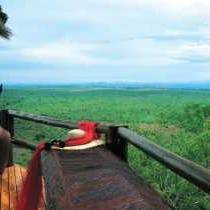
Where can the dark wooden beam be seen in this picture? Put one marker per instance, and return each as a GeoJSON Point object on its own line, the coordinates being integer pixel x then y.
{"type": "Point", "coordinates": [52, 121]}
{"type": "Point", "coordinates": [187, 169]}
{"type": "Point", "coordinates": [42, 119]}
{"type": "Point", "coordinates": [24, 144]}
{"type": "Point", "coordinates": [117, 145]}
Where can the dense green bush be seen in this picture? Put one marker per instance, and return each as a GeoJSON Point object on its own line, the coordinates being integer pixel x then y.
{"type": "Point", "coordinates": [194, 117]}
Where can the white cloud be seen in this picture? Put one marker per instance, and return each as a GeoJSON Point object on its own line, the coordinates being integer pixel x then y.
{"type": "Point", "coordinates": [200, 49]}
{"type": "Point", "coordinates": [193, 7]}
{"type": "Point", "coordinates": [145, 52]}
{"type": "Point", "coordinates": [72, 53]}
{"type": "Point", "coordinates": [193, 52]}
{"type": "Point", "coordinates": [142, 52]}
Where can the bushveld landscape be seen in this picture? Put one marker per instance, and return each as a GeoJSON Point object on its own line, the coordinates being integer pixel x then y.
{"type": "Point", "coordinates": [177, 119]}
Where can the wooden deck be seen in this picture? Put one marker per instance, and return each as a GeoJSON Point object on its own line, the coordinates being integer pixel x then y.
{"type": "Point", "coordinates": [10, 182]}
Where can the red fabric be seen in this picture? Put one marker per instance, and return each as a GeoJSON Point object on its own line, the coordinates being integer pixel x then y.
{"type": "Point", "coordinates": [30, 195]}
{"type": "Point", "coordinates": [29, 198]}
{"type": "Point", "coordinates": [90, 134]}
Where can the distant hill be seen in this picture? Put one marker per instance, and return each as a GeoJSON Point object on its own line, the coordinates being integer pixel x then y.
{"type": "Point", "coordinates": [195, 85]}
{"type": "Point", "coordinates": [186, 85]}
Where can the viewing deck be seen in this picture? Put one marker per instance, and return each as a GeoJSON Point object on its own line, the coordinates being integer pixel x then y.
{"type": "Point", "coordinates": [95, 178]}
{"type": "Point", "coordinates": [10, 182]}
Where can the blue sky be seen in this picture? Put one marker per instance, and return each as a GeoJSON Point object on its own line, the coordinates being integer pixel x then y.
{"type": "Point", "coordinates": [65, 41]}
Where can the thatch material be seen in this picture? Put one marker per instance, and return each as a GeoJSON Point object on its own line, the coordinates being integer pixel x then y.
{"type": "Point", "coordinates": [4, 31]}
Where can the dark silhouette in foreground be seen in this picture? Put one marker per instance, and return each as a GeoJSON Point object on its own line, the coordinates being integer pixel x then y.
{"type": "Point", "coordinates": [5, 32]}
{"type": "Point", "coordinates": [4, 148]}
{"type": "Point", "coordinates": [1, 88]}
{"type": "Point", "coordinates": [4, 135]}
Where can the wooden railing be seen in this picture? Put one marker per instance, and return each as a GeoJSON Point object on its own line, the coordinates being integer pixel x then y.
{"type": "Point", "coordinates": [117, 138]}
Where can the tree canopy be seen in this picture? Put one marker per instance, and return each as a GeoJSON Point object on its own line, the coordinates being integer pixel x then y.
{"type": "Point", "coordinates": [4, 31]}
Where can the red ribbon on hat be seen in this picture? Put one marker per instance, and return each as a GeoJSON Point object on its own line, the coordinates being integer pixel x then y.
{"type": "Point", "coordinates": [30, 195]}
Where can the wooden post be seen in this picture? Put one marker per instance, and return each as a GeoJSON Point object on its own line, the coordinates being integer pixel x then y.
{"type": "Point", "coordinates": [116, 144]}
{"type": "Point", "coordinates": [7, 122]}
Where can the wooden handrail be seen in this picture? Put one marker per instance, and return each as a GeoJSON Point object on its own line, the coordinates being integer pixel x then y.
{"type": "Point", "coordinates": [187, 169]}
{"type": "Point", "coordinates": [52, 121]}
{"type": "Point", "coordinates": [112, 142]}
{"type": "Point", "coordinates": [42, 119]}
{"type": "Point", "coordinates": [23, 143]}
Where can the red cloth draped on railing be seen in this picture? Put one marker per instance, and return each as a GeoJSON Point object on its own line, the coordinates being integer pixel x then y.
{"type": "Point", "coordinates": [30, 195]}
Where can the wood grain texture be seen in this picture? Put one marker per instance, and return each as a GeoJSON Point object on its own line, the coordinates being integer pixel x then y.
{"type": "Point", "coordinates": [5, 190]}
{"type": "Point", "coordinates": [12, 188]}
{"type": "Point", "coordinates": [10, 185]}
{"type": "Point", "coordinates": [56, 194]}
{"type": "Point", "coordinates": [18, 180]}
{"type": "Point", "coordinates": [94, 179]}
{"type": "Point", "coordinates": [0, 189]}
